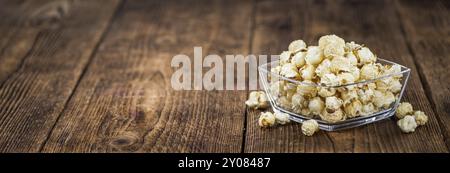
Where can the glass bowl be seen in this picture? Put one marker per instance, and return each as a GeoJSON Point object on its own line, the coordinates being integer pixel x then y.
{"type": "Point", "coordinates": [277, 90]}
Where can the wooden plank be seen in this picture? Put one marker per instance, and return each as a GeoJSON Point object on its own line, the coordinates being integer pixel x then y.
{"type": "Point", "coordinates": [427, 27]}
{"type": "Point", "coordinates": [125, 102]}
{"type": "Point", "coordinates": [44, 48]}
{"type": "Point", "coordinates": [362, 22]}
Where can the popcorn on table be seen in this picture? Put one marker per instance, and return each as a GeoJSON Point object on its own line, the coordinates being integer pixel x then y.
{"type": "Point", "coordinates": [309, 127]}
{"type": "Point", "coordinates": [257, 99]}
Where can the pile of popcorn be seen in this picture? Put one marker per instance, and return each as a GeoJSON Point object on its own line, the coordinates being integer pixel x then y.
{"type": "Point", "coordinates": [325, 72]}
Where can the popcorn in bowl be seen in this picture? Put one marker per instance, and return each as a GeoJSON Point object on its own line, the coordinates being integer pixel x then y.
{"type": "Point", "coordinates": [339, 84]}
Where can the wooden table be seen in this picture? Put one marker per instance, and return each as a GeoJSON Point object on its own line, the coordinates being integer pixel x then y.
{"type": "Point", "coordinates": [94, 76]}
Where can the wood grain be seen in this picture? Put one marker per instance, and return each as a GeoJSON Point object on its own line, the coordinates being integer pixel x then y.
{"type": "Point", "coordinates": [375, 24]}
{"type": "Point", "coordinates": [427, 30]}
{"type": "Point", "coordinates": [44, 48]}
{"type": "Point", "coordinates": [125, 102]}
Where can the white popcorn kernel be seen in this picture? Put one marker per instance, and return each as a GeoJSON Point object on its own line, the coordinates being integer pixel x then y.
{"type": "Point", "coordinates": [307, 91]}
{"type": "Point", "coordinates": [352, 46]}
{"type": "Point", "coordinates": [326, 92]}
{"type": "Point", "coordinates": [395, 86]}
{"type": "Point", "coordinates": [257, 99]}
{"type": "Point", "coordinates": [281, 118]}
{"type": "Point", "coordinates": [420, 117]}
{"type": "Point", "coordinates": [407, 124]}
{"type": "Point", "coordinates": [307, 72]}
{"type": "Point", "coordinates": [330, 79]}
{"type": "Point", "coordinates": [346, 78]}
{"type": "Point", "coordinates": [309, 127]}
{"type": "Point", "coordinates": [352, 58]}
{"type": "Point", "coordinates": [355, 72]}
{"type": "Point", "coordinates": [383, 99]}
{"type": "Point", "coordinates": [284, 102]}
{"type": "Point", "coordinates": [289, 70]}
{"type": "Point", "coordinates": [297, 45]}
{"type": "Point", "coordinates": [299, 59]}
{"type": "Point", "coordinates": [316, 105]}
{"type": "Point", "coordinates": [332, 45]}
{"type": "Point", "coordinates": [333, 103]}
{"type": "Point", "coordinates": [324, 68]}
{"type": "Point", "coordinates": [306, 112]}
{"type": "Point", "coordinates": [340, 64]}
{"type": "Point", "coordinates": [403, 109]}
{"type": "Point", "coordinates": [332, 117]}
{"type": "Point", "coordinates": [353, 109]}
{"type": "Point", "coordinates": [394, 69]}
{"type": "Point", "coordinates": [298, 102]}
{"type": "Point", "coordinates": [266, 119]}
{"type": "Point", "coordinates": [313, 55]}
{"type": "Point", "coordinates": [365, 95]}
{"type": "Point", "coordinates": [349, 95]}
{"type": "Point", "coordinates": [365, 56]}
{"type": "Point", "coordinates": [277, 89]}
{"type": "Point", "coordinates": [369, 71]}
{"type": "Point", "coordinates": [368, 109]}
{"type": "Point", "coordinates": [285, 57]}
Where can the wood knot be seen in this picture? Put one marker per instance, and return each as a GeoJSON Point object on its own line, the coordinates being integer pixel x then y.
{"type": "Point", "coordinates": [124, 140]}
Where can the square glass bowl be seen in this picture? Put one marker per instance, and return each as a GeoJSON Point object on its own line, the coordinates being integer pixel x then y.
{"type": "Point", "coordinates": [280, 100]}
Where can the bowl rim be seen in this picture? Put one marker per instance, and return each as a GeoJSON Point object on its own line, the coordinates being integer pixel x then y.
{"type": "Point", "coordinates": [404, 70]}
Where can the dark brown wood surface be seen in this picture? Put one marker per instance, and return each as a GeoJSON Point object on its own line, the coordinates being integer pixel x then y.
{"type": "Point", "coordinates": [91, 76]}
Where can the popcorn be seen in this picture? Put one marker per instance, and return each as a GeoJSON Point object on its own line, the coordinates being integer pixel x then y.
{"type": "Point", "coordinates": [313, 55]}
{"type": "Point", "coordinates": [289, 70]}
{"type": "Point", "coordinates": [307, 72]}
{"type": "Point", "coordinates": [299, 59]}
{"type": "Point", "coordinates": [297, 45]}
{"type": "Point", "coordinates": [403, 109]}
{"type": "Point", "coordinates": [257, 99]}
{"type": "Point", "coordinates": [309, 127]}
{"type": "Point", "coordinates": [332, 117]}
{"type": "Point", "coordinates": [407, 124]}
{"type": "Point", "coordinates": [281, 118]}
{"type": "Point", "coordinates": [332, 45]}
{"type": "Point", "coordinates": [420, 117]}
{"type": "Point", "coordinates": [285, 57]}
{"type": "Point", "coordinates": [332, 103]}
{"type": "Point", "coordinates": [316, 105]}
{"type": "Point", "coordinates": [353, 109]}
{"type": "Point", "coordinates": [266, 119]}
{"type": "Point", "coordinates": [340, 64]}
{"type": "Point", "coordinates": [332, 68]}
{"type": "Point", "coordinates": [369, 71]}
{"type": "Point", "coordinates": [366, 56]}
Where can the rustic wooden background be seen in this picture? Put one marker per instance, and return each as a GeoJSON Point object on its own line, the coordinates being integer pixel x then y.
{"type": "Point", "coordinates": [94, 75]}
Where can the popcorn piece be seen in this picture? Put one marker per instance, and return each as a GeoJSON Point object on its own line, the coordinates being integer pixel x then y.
{"type": "Point", "coordinates": [332, 45]}
{"type": "Point", "coordinates": [407, 124]}
{"type": "Point", "coordinates": [324, 68]}
{"type": "Point", "coordinates": [257, 99]}
{"type": "Point", "coordinates": [297, 45]}
{"type": "Point", "coordinates": [305, 90]}
{"type": "Point", "coordinates": [308, 72]}
{"type": "Point", "coordinates": [368, 109]}
{"type": "Point", "coordinates": [349, 96]}
{"type": "Point", "coordinates": [346, 78]}
{"type": "Point", "coordinates": [298, 101]}
{"type": "Point", "coordinates": [289, 70]}
{"type": "Point", "coordinates": [394, 69]}
{"type": "Point", "coordinates": [316, 105]}
{"type": "Point", "coordinates": [383, 99]}
{"type": "Point", "coordinates": [299, 59]}
{"type": "Point", "coordinates": [369, 71]}
{"type": "Point", "coordinates": [421, 118]}
{"type": "Point", "coordinates": [285, 57]}
{"type": "Point", "coordinates": [332, 117]}
{"type": "Point", "coordinates": [284, 102]}
{"type": "Point", "coordinates": [365, 56]}
{"type": "Point", "coordinates": [313, 55]}
{"type": "Point", "coordinates": [266, 119]}
{"type": "Point", "coordinates": [351, 58]}
{"type": "Point", "coordinates": [332, 104]}
{"type": "Point", "coordinates": [353, 109]}
{"type": "Point", "coordinates": [330, 80]}
{"type": "Point", "coordinates": [365, 95]}
{"type": "Point", "coordinates": [309, 127]}
{"type": "Point", "coordinates": [403, 109]}
{"type": "Point", "coordinates": [352, 46]}
{"type": "Point", "coordinates": [281, 118]}
{"type": "Point", "coordinates": [340, 64]}
{"type": "Point", "coordinates": [326, 92]}
{"type": "Point", "coordinates": [277, 89]}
